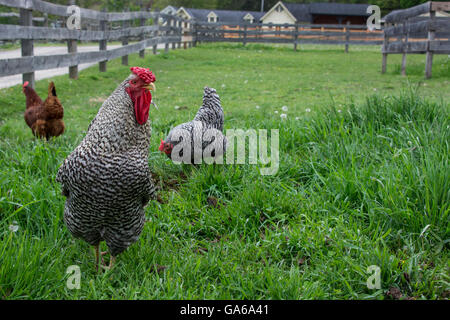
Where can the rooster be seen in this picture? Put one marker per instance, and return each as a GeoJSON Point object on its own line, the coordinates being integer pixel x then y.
{"type": "Point", "coordinates": [44, 118]}
{"type": "Point", "coordinates": [106, 180]}
{"type": "Point", "coordinates": [205, 131]}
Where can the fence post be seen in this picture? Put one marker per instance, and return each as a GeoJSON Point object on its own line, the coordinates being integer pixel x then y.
{"type": "Point", "coordinates": [103, 43]}
{"type": "Point", "coordinates": [191, 34]}
{"type": "Point", "coordinates": [180, 33]}
{"type": "Point", "coordinates": [166, 48]}
{"type": "Point", "coordinates": [26, 19]}
{"type": "Point", "coordinates": [173, 32]}
{"type": "Point", "coordinates": [72, 47]}
{"type": "Point", "coordinates": [125, 25]}
{"type": "Point", "coordinates": [296, 36]}
{"type": "Point", "coordinates": [184, 33]}
{"type": "Point", "coordinates": [46, 20]}
{"type": "Point", "coordinates": [142, 22]}
{"type": "Point", "coordinates": [404, 47]}
{"type": "Point", "coordinates": [194, 33]}
{"type": "Point", "coordinates": [156, 33]}
{"type": "Point", "coordinates": [431, 37]}
{"type": "Point", "coordinates": [347, 36]}
{"type": "Point", "coordinates": [245, 35]}
{"type": "Point", "coordinates": [385, 47]}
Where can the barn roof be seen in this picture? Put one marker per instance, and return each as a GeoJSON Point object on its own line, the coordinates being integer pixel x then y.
{"type": "Point", "coordinates": [304, 12]}
{"type": "Point", "coordinates": [169, 8]}
{"type": "Point", "coordinates": [299, 10]}
{"type": "Point", "coordinates": [223, 15]}
{"type": "Point", "coordinates": [339, 9]}
{"type": "Point", "coordinates": [198, 14]}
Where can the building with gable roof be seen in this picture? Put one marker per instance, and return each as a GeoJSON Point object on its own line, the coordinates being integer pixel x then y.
{"type": "Point", "coordinates": [213, 16]}
{"type": "Point", "coordinates": [170, 10]}
{"type": "Point", "coordinates": [316, 13]}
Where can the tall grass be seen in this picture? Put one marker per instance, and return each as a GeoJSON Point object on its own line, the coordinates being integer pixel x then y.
{"type": "Point", "coordinates": [360, 183]}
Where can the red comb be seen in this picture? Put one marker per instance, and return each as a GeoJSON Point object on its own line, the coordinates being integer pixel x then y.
{"type": "Point", "coordinates": [145, 74]}
{"type": "Point", "coordinates": [161, 147]}
{"type": "Point", "coordinates": [26, 84]}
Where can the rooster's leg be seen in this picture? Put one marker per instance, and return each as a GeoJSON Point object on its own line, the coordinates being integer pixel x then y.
{"type": "Point", "coordinates": [97, 255]}
{"type": "Point", "coordinates": [102, 254]}
{"type": "Point", "coordinates": [112, 261]}
{"type": "Point", "coordinates": [111, 264]}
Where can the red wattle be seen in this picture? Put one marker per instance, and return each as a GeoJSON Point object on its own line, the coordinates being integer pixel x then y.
{"type": "Point", "coordinates": [161, 146]}
{"type": "Point", "coordinates": [141, 104]}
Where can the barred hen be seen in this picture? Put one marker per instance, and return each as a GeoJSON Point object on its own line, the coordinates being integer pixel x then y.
{"type": "Point", "coordinates": [106, 180]}
{"type": "Point", "coordinates": [201, 138]}
{"type": "Point", "coordinates": [44, 118]}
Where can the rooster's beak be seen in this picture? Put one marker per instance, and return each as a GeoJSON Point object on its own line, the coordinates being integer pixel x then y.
{"type": "Point", "coordinates": [151, 87]}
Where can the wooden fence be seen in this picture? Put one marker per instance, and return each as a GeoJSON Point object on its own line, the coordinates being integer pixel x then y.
{"type": "Point", "coordinates": [288, 33]}
{"type": "Point", "coordinates": [149, 29]}
{"type": "Point", "coordinates": [154, 28]}
{"type": "Point", "coordinates": [417, 35]}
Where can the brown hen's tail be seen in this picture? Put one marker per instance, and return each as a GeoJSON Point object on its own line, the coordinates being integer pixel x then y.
{"type": "Point", "coordinates": [52, 89]}
{"type": "Point", "coordinates": [53, 108]}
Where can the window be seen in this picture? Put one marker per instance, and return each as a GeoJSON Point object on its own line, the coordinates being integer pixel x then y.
{"type": "Point", "coordinates": [212, 17]}
{"type": "Point", "coordinates": [249, 18]}
{"type": "Point", "coordinates": [279, 8]}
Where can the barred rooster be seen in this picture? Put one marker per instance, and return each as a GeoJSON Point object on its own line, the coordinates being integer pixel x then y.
{"type": "Point", "coordinates": [106, 179]}
{"type": "Point", "coordinates": [195, 140]}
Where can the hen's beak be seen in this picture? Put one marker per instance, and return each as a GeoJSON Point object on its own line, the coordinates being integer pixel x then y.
{"type": "Point", "coordinates": [151, 87]}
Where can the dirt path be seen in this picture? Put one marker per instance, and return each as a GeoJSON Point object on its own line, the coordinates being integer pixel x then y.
{"type": "Point", "coordinates": [9, 81]}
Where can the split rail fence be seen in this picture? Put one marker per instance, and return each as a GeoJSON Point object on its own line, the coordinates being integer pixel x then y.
{"type": "Point", "coordinates": [153, 28]}
{"type": "Point", "coordinates": [415, 33]}
{"type": "Point", "coordinates": [145, 29]}
{"type": "Point", "coordinates": [296, 34]}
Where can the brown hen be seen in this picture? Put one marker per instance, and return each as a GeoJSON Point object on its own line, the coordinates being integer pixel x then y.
{"type": "Point", "coordinates": [44, 118]}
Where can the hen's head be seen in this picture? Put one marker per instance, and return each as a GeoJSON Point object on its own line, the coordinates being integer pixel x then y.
{"type": "Point", "coordinates": [138, 89]}
{"type": "Point", "coordinates": [25, 86]}
{"type": "Point", "coordinates": [166, 148]}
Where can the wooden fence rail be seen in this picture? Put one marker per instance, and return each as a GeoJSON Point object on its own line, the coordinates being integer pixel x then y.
{"type": "Point", "coordinates": [61, 10]}
{"type": "Point", "coordinates": [154, 28]}
{"type": "Point", "coordinates": [417, 35]}
{"type": "Point", "coordinates": [288, 33]}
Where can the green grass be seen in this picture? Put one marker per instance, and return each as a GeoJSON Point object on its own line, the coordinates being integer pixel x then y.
{"type": "Point", "coordinates": [363, 180]}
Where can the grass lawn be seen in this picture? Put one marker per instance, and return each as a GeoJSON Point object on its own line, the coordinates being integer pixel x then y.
{"type": "Point", "coordinates": [363, 180]}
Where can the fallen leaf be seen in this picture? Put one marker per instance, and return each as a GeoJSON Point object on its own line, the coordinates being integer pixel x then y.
{"type": "Point", "coordinates": [394, 293]}
{"type": "Point", "coordinates": [161, 200]}
{"type": "Point", "coordinates": [215, 203]}
{"type": "Point", "coordinates": [301, 261]}
{"type": "Point", "coordinates": [158, 268]}
{"type": "Point", "coordinates": [202, 250]}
